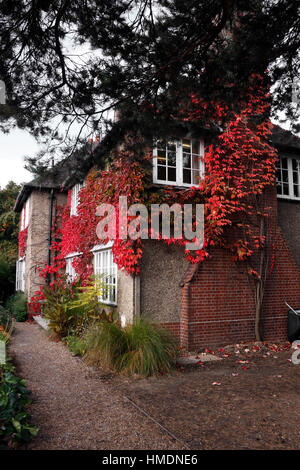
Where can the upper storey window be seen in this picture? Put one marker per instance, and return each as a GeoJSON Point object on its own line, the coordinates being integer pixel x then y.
{"type": "Point", "coordinates": [288, 177]}
{"type": "Point", "coordinates": [24, 218]}
{"type": "Point", "coordinates": [75, 198]}
{"type": "Point", "coordinates": [178, 162]}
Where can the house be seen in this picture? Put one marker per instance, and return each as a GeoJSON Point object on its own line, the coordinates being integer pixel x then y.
{"type": "Point", "coordinates": [210, 303]}
{"type": "Point", "coordinates": [37, 204]}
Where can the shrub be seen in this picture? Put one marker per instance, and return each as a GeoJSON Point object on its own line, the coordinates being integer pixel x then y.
{"type": "Point", "coordinates": [7, 277]}
{"type": "Point", "coordinates": [105, 343]}
{"type": "Point", "coordinates": [151, 350]}
{"type": "Point", "coordinates": [17, 306]}
{"type": "Point", "coordinates": [5, 318]}
{"type": "Point", "coordinates": [56, 308]}
{"type": "Point", "coordinates": [6, 332]}
{"type": "Point", "coordinates": [75, 344]}
{"type": "Point", "coordinates": [86, 306]}
{"type": "Point", "coordinates": [3, 336]}
{"type": "Point", "coordinates": [141, 348]}
{"type": "Point", "coordinates": [14, 418]}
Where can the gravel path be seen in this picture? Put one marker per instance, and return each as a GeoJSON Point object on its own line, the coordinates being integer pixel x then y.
{"type": "Point", "coordinates": [73, 405]}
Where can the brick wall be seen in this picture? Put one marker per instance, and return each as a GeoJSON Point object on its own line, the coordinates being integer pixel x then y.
{"type": "Point", "coordinates": [218, 305]}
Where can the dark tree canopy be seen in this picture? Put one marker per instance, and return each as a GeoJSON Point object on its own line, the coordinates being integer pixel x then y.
{"type": "Point", "coordinates": [70, 62]}
{"type": "Point", "coordinates": [9, 223]}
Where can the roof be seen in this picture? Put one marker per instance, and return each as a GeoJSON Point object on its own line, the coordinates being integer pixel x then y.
{"type": "Point", "coordinates": [51, 180]}
{"type": "Point", "coordinates": [285, 139]}
{"type": "Point", "coordinates": [61, 177]}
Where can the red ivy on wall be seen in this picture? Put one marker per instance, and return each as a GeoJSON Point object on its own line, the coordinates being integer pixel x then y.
{"type": "Point", "coordinates": [239, 167]}
{"type": "Point", "coordinates": [23, 242]}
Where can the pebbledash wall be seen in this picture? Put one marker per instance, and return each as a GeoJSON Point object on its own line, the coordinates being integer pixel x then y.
{"type": "Point", "coordinates": [213, 303]}
{"type": "Point", "coordinates": [36, 252]}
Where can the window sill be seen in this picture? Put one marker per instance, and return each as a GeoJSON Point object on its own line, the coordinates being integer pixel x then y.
{"type": "Point", "coordinates": [108, 304]}
{"type": "Point", "coordinates": [173, 186]}
{"type": "Point", "coordinates": [288, 198]}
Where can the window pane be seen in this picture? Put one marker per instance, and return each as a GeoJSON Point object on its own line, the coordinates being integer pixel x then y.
{"type": "Point", "coordinates": [161, 173]}
{"type": "Point", "coordinates": [196, 147]}
{"type": "Point", "coordinates": [295, 164]}
{"type": "Point", "coordinates": [284, 163]}
{"type": "Point", "coordinates": [171, 174]}
{"type": "Point", "coordinates": [195, 177]}
{"type": "Point", "coordinates": [285, 176]}
{"type": "Point", "coordinates": [161, 144]}
{"type": "Point", "coordinates": [161, 157]}
{"type": "Point", "coordinates": [196, 162]}
{"type": "Point", "coordinates": [285, 189]}
{"type": "Point", "coordinates": [186, 145]}
{"type": "Point", "coordinates": [295, 177]}
{"type": "Point", "coordinates": [171, 158]}
{"type": "Point", "coordinates": [186, 160]}
{"type": "Point", "coordinates": [187, 176]}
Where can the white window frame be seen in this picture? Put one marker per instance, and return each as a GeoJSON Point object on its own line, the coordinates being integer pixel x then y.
{"type": "Point", "coordinates": [20, 274]}
{"type": "Point", "coordinates": [179, 165]}
{"type": "Point", "coordinates": [25, 215]}
{"type": "Point", "coordinates": [290, 182]}
{"type": "Point", "coordinates": [70, 270]}
{"type": "Point", "coordinates": [75, 197]}
{"type": "Point", "coordinates": [104, 265]}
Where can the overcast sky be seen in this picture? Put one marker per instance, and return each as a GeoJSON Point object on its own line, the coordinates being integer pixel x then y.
{"type": "Point", "coordinates": [13, 147]}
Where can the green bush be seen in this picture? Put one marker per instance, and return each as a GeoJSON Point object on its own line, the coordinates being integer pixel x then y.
{"type": "Point", "coordinates": [75, 344]}
{"type": "Point", "coordinates": [71, 308]}
{"type": "Point", "coordinates": [56, 308]}
{"type": "Point", "coordinates": [87, 308]}
{"type": "Point", "coordinates": [5, 318]}
{"type": "Point", "coordinates": [3, 337]}
{"type": "Point", "coordinates": [17, 306]}
{"type": "Point", "coordinates": [15, 426]}
{"type": "Point", "coordinates": [7, 277]}
{"type": "Point", "coordinates": [141, 348]}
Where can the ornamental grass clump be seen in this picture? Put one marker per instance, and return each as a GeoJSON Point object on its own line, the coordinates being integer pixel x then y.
{"type": "Point", "coordinates": [105, 344]}
{"type": "Point", "coordinates": [151, 350]}
{"type": "Point", "coordinates": [142, 348]}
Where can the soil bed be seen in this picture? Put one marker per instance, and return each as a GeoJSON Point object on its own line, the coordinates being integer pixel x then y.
{"type": "Point", "coordinates": [249, 400]}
